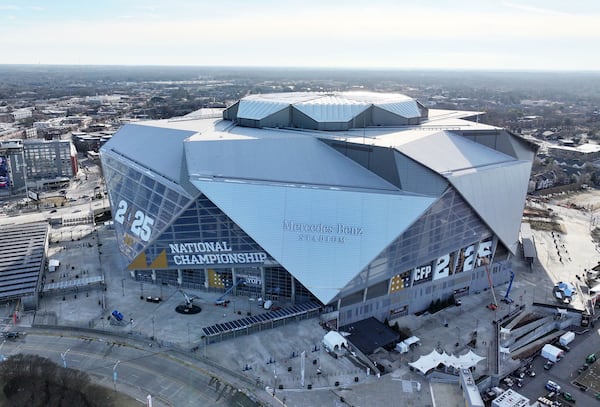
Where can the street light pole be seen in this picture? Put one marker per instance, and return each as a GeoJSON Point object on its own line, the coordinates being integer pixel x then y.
{"type": "Point", "coordinates": [115, 374]}
{"type": "Point", "coordinates": [2, 357]}
{"type": "Point", "coordinates": [188, 327]}
{"type": "Point", "coordinates": [63, 356]}
{"type": "Point", "coordinates": [153, 333]}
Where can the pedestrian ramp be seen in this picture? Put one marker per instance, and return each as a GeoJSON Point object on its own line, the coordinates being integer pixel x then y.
{"type": "Point", "coordinates": [262, 321]}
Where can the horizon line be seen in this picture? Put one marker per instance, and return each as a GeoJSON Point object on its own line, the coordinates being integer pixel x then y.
{"type": "Point", "coordinates": [327, 68]}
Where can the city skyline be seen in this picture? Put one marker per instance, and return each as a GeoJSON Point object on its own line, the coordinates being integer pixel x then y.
{"type": "Point", "coordinates": [503, 35]}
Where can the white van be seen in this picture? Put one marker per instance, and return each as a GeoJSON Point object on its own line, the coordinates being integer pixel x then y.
{"type": "Point", "coordinates": [552, 386]}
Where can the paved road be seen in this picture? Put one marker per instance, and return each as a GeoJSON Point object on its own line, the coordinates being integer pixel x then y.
{"type": "Point", "coordinates": [139, 371]}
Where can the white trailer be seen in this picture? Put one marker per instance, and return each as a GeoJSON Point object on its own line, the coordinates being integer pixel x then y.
{"type": "Point", "coordinates": [53, 265]}
{"type": "Point", "coordinates": [566, 338]}
{"type": "Point", "coordinates": [552, 353]}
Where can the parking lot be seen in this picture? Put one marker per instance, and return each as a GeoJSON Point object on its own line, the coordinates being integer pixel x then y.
{"type": "Point", "coordinates": [575, 373]}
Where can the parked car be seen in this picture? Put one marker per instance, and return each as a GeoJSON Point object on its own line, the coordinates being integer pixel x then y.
{"type": "Point", "coordinates": [118, 316]}
{"type": "Point", "coordinates": [508, 381]}
{"type": "Point", "coordinates": [568, 396]}
{"type": "Point", "coordinates": [548, 365]}
{"type": "Point", "coordinates": [520, 373]}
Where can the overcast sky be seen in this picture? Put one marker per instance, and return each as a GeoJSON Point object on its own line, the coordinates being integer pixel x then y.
{"type": "Point", "coordinates": [440, 34]}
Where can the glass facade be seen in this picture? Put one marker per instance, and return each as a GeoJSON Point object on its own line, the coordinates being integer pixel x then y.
{"type": "Point", "coordinates": [49, 159]}
{"type": "Point", "coordinates": [447, 226]}
{"type": "Point", "coordinates": [443, 251]}
{"type": "Point", "coordinates": [173, 238]}
{"type": "Point", "coordinates": [142, 206]}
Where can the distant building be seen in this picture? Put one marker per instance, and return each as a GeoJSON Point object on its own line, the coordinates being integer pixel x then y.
{"type": "Point", "coordinates": [85, 142]}
{"type": "Point", "coordinates": [31, 133]}
{"type": "Point", "coordinates": [54, 159]}
{"type": "Point", "coordinates": [35, 163]}
{"type": "Point", "coordinates": [22, 114]}
{"type": "Point", "coordinates": [584, 152]}
{"type": "Point", "coordinates": [12, 167]}
{"type": "Point", "coordinates": [545, 180]}
{"type": "Point", "coordinates": [6, 117]}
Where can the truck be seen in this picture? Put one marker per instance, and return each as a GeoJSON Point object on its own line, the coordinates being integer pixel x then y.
{"type": "Point", "coordinates": [552, 353]}
{"type": "Point", "coordinates": [566, 338]}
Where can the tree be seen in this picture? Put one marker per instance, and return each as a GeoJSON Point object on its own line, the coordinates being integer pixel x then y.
{"type": "Point", "coordinates": [34, 381]}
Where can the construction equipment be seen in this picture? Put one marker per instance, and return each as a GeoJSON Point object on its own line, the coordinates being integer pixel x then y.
{"type": "Point", "coordinates": [506, 297]}
{"type": "Point", "coordinates": [494, 305]}
{"type": "Point", "coordinates": [189, 299]}
{"type": "Point", "coordinates": [221, 300]}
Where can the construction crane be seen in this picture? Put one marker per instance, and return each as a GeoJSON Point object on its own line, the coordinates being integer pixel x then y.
{"type": "Point", "coordinates": [221, 299]}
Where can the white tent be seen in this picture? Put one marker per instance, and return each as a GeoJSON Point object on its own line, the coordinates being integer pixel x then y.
{"type": "Point", "coordinates": [334, 341]}
{"type": "Point", "coordinates": [471, 359]}
{"type": "Point", "coordinates": [402, 347]}
{"type": "Point", "coordinates": [427, 362]}
{"type": "Point", "coordinates": [406, 344]}
{"type": "Point", "coordinates": [412, 340]}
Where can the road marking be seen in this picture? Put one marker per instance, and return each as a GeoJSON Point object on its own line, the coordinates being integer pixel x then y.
{"type": "Point", "coordinates": [432, 396]}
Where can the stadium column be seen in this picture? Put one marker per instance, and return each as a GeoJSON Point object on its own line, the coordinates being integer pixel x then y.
{"type": "Point", "coordinates": [293, 289]}
{"type": "Point", "coordinates": [339, 304]}
{"type": "Point", "coordinates": [153, 276]}
{"type": "Point", "coordinates": [179, 277]}
{"type": "Point", "coordinates": [365, 291]}
{"type": "Point", "coordinates": [263, 282]}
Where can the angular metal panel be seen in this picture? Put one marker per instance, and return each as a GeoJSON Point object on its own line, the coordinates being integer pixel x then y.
{"type": "Point", "coordinates": [322, 237]}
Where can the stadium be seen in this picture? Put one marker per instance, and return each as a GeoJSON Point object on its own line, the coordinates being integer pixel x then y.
{"type": "Point", "coordinates": [368, 203]}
